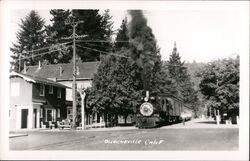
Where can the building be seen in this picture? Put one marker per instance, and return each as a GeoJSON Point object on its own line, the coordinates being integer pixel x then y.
{"type": "Point", "coordinates": [35, 100]}
{"type": "Point", "coordinates": [63, 74]}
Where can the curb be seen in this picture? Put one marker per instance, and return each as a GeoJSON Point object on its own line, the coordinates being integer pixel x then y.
{"type": "Point", "coordinates": [17, 135]}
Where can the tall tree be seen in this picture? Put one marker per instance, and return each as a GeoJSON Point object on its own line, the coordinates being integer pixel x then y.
{"type": "Point", "coordinates": [95, 26]}
{"type": "Point", "coordinates": [122, 36]}
{"type": "Point", "coordinates": [56, 32]}
{"type": "Point", "coordinates": [220, 85]}
{"type": "Point", "coordinates": [30, 36]}
{"type": "Point", "coordinates": [181, 79]}
{"type": "Point", "coordinates": [115, 87]}
{"type": "Point", "coordinates": [98, 29]}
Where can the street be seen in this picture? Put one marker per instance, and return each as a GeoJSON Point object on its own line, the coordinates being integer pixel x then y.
{"type": "Point", "coordinates": [193, 136]}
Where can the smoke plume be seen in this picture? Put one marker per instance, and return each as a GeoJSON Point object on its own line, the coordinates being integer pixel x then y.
{"type": "Point", "coordinates": [142, 45]}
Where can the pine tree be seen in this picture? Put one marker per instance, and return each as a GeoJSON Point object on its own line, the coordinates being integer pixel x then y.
{"type": "Point", "coordinates": [176, 68]}
{"type": "Point", "coordinates": [107, 26]}
{"type": "Point", "coordinates": [181, 80]}
{"type": "Point", "coordinates": [30, 36]}
{"type": "Point", "coordinates": [58, 29]}
{"type": "Point", "coordinates": [115, 89]}
{"type": "Point", "coordinates": [97, 28]}
{"type": "Point", "coordinates": [55, 34]}
{"type": "Point", "coordinates": [122, 35]}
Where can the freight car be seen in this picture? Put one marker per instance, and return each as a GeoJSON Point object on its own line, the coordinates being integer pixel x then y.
{"type": "Point", "coordinates": [162, 110]}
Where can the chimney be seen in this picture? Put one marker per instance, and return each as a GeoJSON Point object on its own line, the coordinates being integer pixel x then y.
{"type": "Point", "coordinates": [24, 68]}
{"type": "Point", "coordinates": [39, 64]}
{"type": "Point", "coordinates": [60, 68]}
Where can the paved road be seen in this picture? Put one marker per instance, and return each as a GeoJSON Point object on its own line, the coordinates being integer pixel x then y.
{"type": "Point", "coordinates": [177, 137]}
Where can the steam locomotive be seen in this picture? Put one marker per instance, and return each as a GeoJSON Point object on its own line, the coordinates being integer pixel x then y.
{"type": "Point", "coordinates": [162, 110]}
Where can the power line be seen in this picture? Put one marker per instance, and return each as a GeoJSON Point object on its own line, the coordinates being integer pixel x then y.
{"type": "Point", "coordinates": [31, 51]}
{"type": "Point", "coordinates": [98, 41]}
{"type": "Point", "coordinates": [93, 49]}
{"type": "Point", "coordinates": [98, 45]}
{"type": "Point", "coordinates": [103, 51]}
{"type": "Point", "coordinates": [40, 54]}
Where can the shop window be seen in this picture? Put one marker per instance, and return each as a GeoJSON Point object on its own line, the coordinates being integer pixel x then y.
{"type": "Point", "coordinates": [50, 89]}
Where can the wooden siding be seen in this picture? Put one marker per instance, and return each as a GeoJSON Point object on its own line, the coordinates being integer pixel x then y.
{"type": "Point", "coordinates": [52, 101]}
{"type": "Point", "coordinates": [25, 92]}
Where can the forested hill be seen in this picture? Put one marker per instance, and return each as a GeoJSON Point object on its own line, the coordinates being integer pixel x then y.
{"type": "Point", "coordinates": [193, 69]}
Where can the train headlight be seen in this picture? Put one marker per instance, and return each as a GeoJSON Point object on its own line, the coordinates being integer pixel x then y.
{"type": "Point", "coordinates": [146, 109]}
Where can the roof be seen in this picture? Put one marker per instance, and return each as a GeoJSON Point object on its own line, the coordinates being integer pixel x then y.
{"type": "Point", "coordinates": [86, 70]}
{"type": "Point", "coordinates": [170, 96]}
{"type": "Point", "coordinates": [35, 79]}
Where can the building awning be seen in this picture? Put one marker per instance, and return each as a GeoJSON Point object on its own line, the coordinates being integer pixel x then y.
{"type": "Point", "coordinates": [38, 101]}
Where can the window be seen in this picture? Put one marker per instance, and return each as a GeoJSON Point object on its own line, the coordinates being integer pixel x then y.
{"type": "Point", "coordinates": [14, 89]}
{"type": "Point", "coordinates": [59, 93]}
{"type": "Point", "coordinates": [42, 90]}
{"type": "Point", "coordinates": [58, 113]}
{"type": "Point", "coordinates": [50, 89]}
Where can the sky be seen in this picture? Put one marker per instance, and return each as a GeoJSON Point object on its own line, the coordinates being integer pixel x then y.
{"type": "Point", "coordinates": [203, 32]}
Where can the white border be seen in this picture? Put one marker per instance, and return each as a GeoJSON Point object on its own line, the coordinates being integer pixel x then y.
{"type": "Point", "coordinates": [242, 154]}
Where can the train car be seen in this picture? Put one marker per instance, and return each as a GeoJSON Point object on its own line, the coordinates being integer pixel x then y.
{"type": "Point", "coordinates": [187, 113]}
{"type": "Point", "coordinates": [162, 110]}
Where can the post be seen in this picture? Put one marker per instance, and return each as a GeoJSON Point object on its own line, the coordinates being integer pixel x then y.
{"type": "Point", "coordinates": [74, 79]}
{"type": "Point", "coordinates": [83, 94]}
{"type": "Point", "coordinates": [210, 112]}
{"type": "Point", "coordinates": [20, 55]}
{"type": "Point", "coordinates": [218, 117]}
{"type": "Point", "coordinates": [74, 36]}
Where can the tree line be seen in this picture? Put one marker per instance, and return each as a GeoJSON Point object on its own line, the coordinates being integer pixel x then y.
{"type": "Point", "coordinates": [128, 66]}
{"type": "Point", "coordinates": [34, 34]}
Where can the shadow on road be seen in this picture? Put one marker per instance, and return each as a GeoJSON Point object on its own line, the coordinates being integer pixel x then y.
{"type": "Point", "coordinates": [206, 122]}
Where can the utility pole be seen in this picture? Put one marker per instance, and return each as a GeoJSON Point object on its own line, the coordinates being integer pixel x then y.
{"type": "Point", "coordinates": [20, 63]}
{"type": "Point", "coordinates": [20, 60]}
{"type": "Point", "coordinates": [74, 36]}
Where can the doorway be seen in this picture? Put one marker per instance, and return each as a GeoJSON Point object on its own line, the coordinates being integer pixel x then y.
{"type": "Point", "coordinates": [49, 115]}
{"type": "Point", "coordinates": [35, 118]}
{"type": "Point", "coordinates": [24, 118]}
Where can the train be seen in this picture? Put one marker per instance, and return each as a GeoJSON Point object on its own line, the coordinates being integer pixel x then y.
{"type": "Point", "coordinates": [162, 110]}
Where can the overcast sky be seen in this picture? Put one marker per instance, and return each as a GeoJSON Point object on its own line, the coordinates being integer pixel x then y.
{"type": "Point", "coordinates": [203, 32]}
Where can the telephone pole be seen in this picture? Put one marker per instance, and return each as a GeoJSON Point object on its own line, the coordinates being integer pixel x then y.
{"type": "Point", "coordinates": [20, 63]}
{"type": "Point", "coordinates": [74, 36]}
{"type": "Point", "coordinates": [20, 60]}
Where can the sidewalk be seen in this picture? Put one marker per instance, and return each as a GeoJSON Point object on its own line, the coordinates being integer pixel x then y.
{"type": "Point", "coordinates": [25, 131]}
{"type": "Point", "coordinates": [194, 123]}
{"type": "Point", "coordinates": [201, 123]}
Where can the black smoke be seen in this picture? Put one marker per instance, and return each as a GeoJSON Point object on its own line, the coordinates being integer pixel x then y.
{"type": "Point", "coordinates": [142, 45]}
